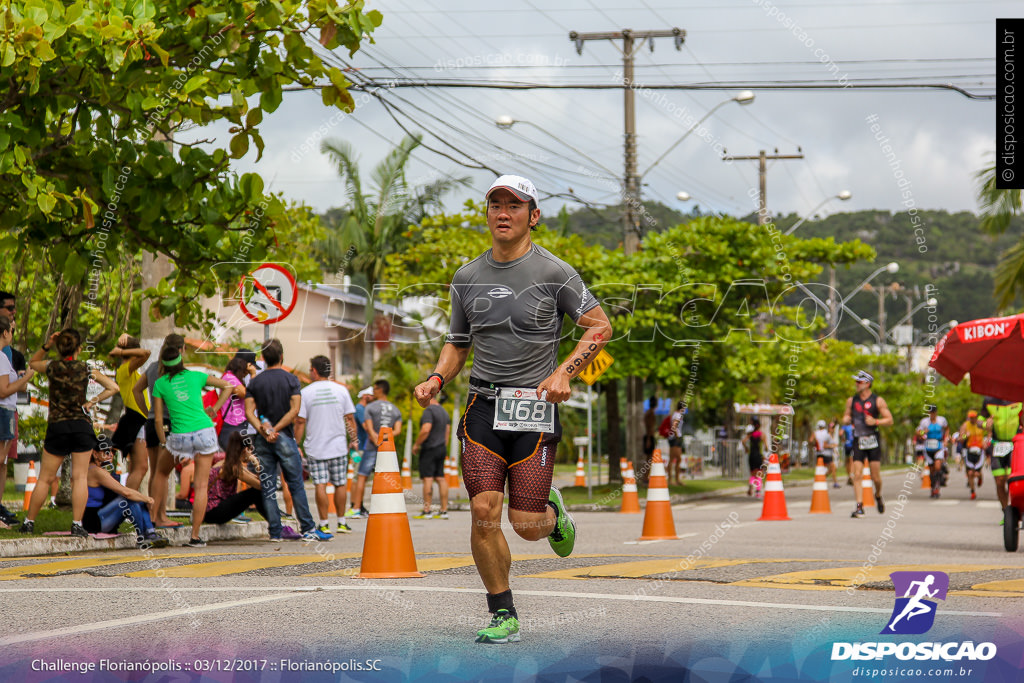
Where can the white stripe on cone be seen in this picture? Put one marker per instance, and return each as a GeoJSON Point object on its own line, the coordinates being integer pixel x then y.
{"type": "Point", "coordinates": [629, 488]}
{"type": "Point", "coordinates": [820, 486]}
{"type": "Point", "coordinates": [658, 469]}
{"type": "Point", "coordinates": [383, 503]}
{"type": "Point", "coordinates": [387, 461]}
{"type": "Point", "coordinates": [820, 471]}
{"type": "Point", "coordinates": [658, 494]}
{"type": "Point", "coordinates": [773, 468]}
{"type": "Point", "coordinates": [773, 485]}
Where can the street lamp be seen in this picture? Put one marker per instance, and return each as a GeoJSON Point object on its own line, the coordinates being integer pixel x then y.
{"type": "Point", "coordinates": [505, 122]}
{"type": "Point", "coordinates": [744, 97]}
{"type": "Point", "coordinates": [891, 268]}
{"type": "Point", "coordinates": [683, 196]}
{"type": "Point", "coordinates": [842, 196]}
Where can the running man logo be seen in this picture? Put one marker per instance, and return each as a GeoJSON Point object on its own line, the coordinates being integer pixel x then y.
{"type": "Point", "coordinates": [913, 613]}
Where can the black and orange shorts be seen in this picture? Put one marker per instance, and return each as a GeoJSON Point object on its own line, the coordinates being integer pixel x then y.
{"type": "Point", "coordinates": [489, 456]}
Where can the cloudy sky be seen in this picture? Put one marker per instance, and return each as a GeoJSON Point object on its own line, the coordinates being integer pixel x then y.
{"type": "Point", "coordinates": [939, 137]}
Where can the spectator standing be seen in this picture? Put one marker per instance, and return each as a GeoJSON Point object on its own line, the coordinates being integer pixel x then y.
{"type": "Point", "coordinates": [327, 421]}
{"type": "Point", "coordinates": [10, 385]}
{"type": "Point", "coordinates": [193, 436]}
{"type": "Point", "coordinates": [69, 429]}
{"type": "Point", "coordinates": [272, 402]}
{"type": "Point", "coordinates": [432, 446]}
{"type": "Point", "coordinates": [240, 370]}
{"type": "Point", "coordinates": [17, 360]}
{"type": "Point", "coordinates": [130, 435]}
{"type": "Point", "coordinates": [143, 394]}
{"type": "Point", "coordinates": [379, 414]}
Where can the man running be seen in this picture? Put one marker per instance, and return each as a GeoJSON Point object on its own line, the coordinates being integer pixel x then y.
{"type": "Point", "coordinates": [936, 436]}
{"type": "Point", "coordinates": [973, 436]}
{"type": "Point", "coordinates": [915, 606]}
{"type": "Point", "coordinates": [509, 305]}
{"type": "Point", "coordinates": [1004, 422]}
{"type": "Point", "coordinates": [866, 411]}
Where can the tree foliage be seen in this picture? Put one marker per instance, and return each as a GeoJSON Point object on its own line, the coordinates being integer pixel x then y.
{"type": "Point", "coordinates": [97, 88]}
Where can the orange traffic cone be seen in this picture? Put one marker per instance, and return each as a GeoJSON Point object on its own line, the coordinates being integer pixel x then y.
{"type": "Point", "coordinates": [926, 477]}
{"type": "Point", "coordinates": [658, 523]}
{"type": "Point", "coordinates": [868, 496]}
{"type": "Point", "coordinates": [30, 483]}
{"type": "Point", "coordinates": [331, 508]}
{"type": "Point", "coordinates": [349, 476]}
{"type": "Point", "coordinates": [453, 476]}
{"type": "Point", "coordinates": [774, 508]}
{"type": "Point", "coordinates": [387, 546]}
{"type": "Point", "coordinates": [119, 472]}
{"type": "Point", "coordinates": [581, 476]}
{"type": "Point", "coordinates": [407, 473]}
{"type": "Point", "coordinates": [630, 499]}
{"type": "Point", "coordinates": [819, 497]}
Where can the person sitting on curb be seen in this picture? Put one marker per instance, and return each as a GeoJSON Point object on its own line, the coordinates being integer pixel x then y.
{"type": "Point", "coordinates": [224, 501]}
{"type": "Point", "coordinates": [111, 503]}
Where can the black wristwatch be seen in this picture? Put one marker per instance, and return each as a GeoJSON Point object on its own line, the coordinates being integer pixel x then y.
{"type": "Point", "coordinates": [439, 379]}
{"type": "Point", "coordinates": [45, 349]}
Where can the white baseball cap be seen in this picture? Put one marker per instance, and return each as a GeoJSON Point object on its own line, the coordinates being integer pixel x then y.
{"type": "Point", "coordinates": [517, 185]}
{"type": "Point", "coordinates": [822, 424]}
{"type": "Point", "coordinates": [368, 391]}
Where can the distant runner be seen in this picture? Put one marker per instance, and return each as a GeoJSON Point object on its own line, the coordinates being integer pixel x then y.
{"type": "Point", "coordinates": [866, 411]}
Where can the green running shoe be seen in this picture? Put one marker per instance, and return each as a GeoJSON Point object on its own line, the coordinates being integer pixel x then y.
{"type": "Point", "coordinates": [504, 628]}
{"type": "Point", "coordinates": [563, 537]}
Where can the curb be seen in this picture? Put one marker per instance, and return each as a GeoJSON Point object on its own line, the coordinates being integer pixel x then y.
{"type": "Point", "coordinates": [58, 545]}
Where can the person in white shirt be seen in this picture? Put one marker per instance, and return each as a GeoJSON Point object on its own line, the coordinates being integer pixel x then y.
{"type": "Point", "coordinates": [327, 421]}
{"type": "Point", "coordinates": [824, 447]}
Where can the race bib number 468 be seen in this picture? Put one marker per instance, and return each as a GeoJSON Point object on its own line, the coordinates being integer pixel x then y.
{"type": "Point", "coordinates": [519, 410]}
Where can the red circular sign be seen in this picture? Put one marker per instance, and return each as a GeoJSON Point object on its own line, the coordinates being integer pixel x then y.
{"type": "Point", "coordinates": [271, 296]}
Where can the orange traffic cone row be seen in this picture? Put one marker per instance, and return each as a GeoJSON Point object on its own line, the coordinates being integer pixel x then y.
{"type": "Point", "coordinates": [30, 483]}
{"type": "Point", "coordinates": [387, 546]}
{"type": "Point", "coordinates": [658, 523]}
{"type": "Point", "coordinates": [774, 509]}
{"type": "Point", "coordinates": [869, 488]}
{"type": "Point", "coordinates": [819, 497]}
{"type": "Point", "coordinates": [407, 473]}
{"type": "Point", "coordinates": [630, 498]}
{"type": "Point", "coordinates": [581, 476]}
{"type": "Point", "coordinates": [331, 508]}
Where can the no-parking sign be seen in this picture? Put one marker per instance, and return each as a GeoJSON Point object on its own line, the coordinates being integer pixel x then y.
{"type": "Point", "coordinates": [268, 294]}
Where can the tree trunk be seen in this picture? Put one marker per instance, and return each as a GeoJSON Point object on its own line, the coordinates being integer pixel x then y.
{"type": "Point", "coordinates": [611, 398]}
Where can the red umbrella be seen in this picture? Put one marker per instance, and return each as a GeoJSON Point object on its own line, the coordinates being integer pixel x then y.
{"type": "Point", "coordinates": [991, 350]}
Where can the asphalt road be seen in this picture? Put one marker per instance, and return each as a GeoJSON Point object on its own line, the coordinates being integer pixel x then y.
{"type": "Point", "coordinates": [732, 594]}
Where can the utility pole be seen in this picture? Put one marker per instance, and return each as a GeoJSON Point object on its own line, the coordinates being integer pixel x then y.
{"type": "Point", "coordinates": [762, 171]}
{"type": "Point", "coordinates": [632, 41]}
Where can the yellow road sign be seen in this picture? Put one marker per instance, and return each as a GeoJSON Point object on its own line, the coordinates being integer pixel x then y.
{"type": "Point", "coordinates": [592, 372]}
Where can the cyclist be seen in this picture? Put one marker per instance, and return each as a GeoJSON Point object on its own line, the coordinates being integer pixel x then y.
{"type": "Point", "coordinates": [1004, 422]}
{"type": "Point", "coordinates": [936, 437]}
{"type": "Point", "coordinates": [973, 437]}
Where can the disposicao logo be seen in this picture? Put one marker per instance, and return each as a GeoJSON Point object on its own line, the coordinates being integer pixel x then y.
{"type": "Point", "coordinates": [914, 613]}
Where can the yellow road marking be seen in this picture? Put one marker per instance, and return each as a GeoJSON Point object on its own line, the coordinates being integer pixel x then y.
{"type": "Point", "coordinates": [50, 568]}
{"type": "Point", "coordinates": [841, 578]}
{"type": "Point", "coordinates": [1006, 588]}
{"type": "Point", "coordinates": [437, 564]}
{"type": "Point", "coordinates": [226, 567]}
{"type": "Point", "coordinates": [635, 570]}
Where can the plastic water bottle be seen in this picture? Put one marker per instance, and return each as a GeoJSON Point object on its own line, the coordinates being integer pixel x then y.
{"type": "Point", "coordinates": [355, 456]}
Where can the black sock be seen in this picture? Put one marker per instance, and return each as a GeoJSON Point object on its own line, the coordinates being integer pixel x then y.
{"type": "Point", "coordinates": [501, 601]}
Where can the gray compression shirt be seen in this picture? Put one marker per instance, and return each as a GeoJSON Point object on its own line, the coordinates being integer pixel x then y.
{"type": "Point", "coordinates": [512, 312]}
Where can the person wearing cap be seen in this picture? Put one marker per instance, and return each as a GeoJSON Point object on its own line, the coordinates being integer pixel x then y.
{"type": "Point", "coordinates": [363, 399]}
{"type": "Point", "coordinates": [824, 447]}
{"type": "Point", "coordinates": [509, 305]}
{"type": "Point", "coordinates": [936, 437]}
{"type": "Point", "coordinates": [974, 438]}
{"type": "Point", "coordinates": [866, 411]}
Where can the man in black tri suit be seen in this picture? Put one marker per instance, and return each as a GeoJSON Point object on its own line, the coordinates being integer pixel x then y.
{"type": "Point", "coordinates": [508, 305]}
{"type": "Point", "coordinates": [866, 411]}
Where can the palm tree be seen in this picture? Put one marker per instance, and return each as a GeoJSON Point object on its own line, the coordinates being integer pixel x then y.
{"type": "Point", "coordinates": [998, 208]}
{"type": "Point", "coordinates": [375, 224]}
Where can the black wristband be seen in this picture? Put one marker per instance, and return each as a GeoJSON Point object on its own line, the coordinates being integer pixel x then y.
{"type": "Point", "coordinates": [439, 379]}
{"type": "Point", "coordinates": [45, 349]}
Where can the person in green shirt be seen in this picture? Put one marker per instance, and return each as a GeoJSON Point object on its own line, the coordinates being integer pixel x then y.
{"type": "Point", "coordinates": [1004, 422]}
{"type": "Point", "coordinates": [192, 436]}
